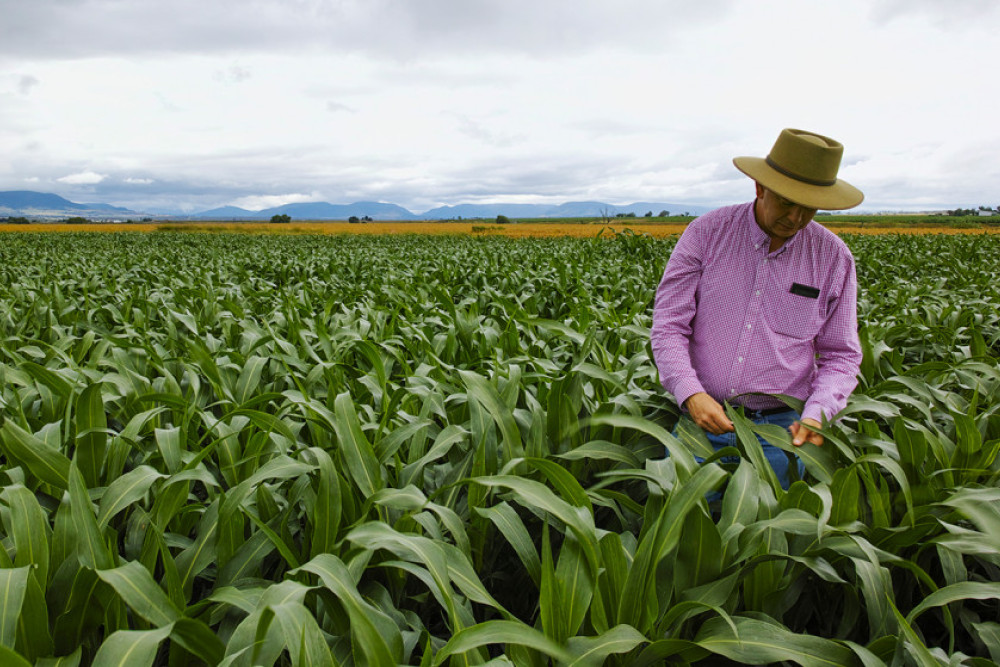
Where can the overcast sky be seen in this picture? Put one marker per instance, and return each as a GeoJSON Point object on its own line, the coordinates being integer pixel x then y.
{"type": "Point", "coordinates": [191, 104]}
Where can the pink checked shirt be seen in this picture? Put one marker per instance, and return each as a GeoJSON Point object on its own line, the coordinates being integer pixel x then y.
{"type": "Point", "coordinates": [732, 318]}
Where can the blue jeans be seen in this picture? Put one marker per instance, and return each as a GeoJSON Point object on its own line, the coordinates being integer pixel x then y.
{"type": "Point", "coordinates": [775, 456]}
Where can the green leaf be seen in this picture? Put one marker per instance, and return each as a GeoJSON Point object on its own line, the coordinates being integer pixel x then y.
{"type": "Point", "coordinates": [965, 590]}
{"type": "Point", "coordinates": [131, 648]}
{"type": "Point", "coordinates": [989, 634]}
{"type": "Point", "coordinates": [327, 510]}
{"type": "Point", "coordinates": [481, 390]}
{"type": "Point", "coordinates": [374, 636]}
{"type": "Point", "coordinates": [678, 451]}
{"type": "Point", "coordinates": [699, 552]}
{"type": "Point", "coordinates": [594, 650]}
{"type": "Point", "coordinates": [758, 642]}
{"type": "Point", "coordinates": [127, 489]}
{"type": "Point", "coordinates": [92, 435]}
{"type": "Point", "coordinates": [358, 454]}
{"type": "Point", "coordinates": [514, 531]}
{"type": "Point", "coordinates": [44, 461]}
{"type": "Point", "coordinates": [91, 548]}
{"type": "Point", "coordinates": [11, 658]}
{"type": "Point", "coordinates": [135, 585]}
{"type": "Point", "coordinates": [302, 635]}
{"type": "Point", "coordinates": [29, 529]}
{"type": "Point", "coordinates": [249, 380]}
{"type": "Point", "coordinates": [13, 584]}
{"type": "Point", "coordinates": [533, 494]}
{"type": "Point", "coordinates": [71, 660]}
{"type": "Point", "coordinates": [501, 632]}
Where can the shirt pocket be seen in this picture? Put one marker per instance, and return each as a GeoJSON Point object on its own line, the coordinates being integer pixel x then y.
{"type": "Point", "coordinates": [796, 316]}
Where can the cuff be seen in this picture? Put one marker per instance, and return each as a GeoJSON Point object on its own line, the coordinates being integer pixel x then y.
{"type": "Point", "coordinates": [685, 389]}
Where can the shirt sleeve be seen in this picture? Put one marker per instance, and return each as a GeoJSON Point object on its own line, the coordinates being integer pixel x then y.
{"type": "Point", "coordinates": [673, 311]}
{"type": "Point", "coordinates": [838, 351]}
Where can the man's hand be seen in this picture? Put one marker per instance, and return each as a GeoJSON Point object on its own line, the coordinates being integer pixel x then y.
{"type": "Point", "coordinates": [708, 414]}
{"type": "Point", "coordinates": [801, 435]}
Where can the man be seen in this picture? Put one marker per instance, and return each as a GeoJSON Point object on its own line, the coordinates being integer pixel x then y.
{"type": "Point", "coordinates": [758, 299]}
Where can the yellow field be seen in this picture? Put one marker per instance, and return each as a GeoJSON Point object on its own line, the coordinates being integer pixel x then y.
{"type": "Point", "coordinates": [515, 230]}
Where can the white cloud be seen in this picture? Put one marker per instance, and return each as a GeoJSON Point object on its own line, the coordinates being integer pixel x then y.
{"type": "Point", "coordinates": [25, 83]}
{"type": "Point", "coordinates": [232, 74]}
{"type": "Point", "coordinates": [82, 178]}
{"type": "Point", "coordinates": [260, 202]}
{"type": "Point", "coordinates": [444, 101]}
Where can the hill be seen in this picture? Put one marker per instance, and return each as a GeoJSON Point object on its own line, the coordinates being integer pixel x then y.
{"type": "Point", "coordinates": [46, 205]}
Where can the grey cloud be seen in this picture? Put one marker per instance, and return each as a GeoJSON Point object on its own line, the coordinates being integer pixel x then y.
{"type": "Point", "coordinates": [233, 74]}
{"type": "Point", "coordinates": [334, 107]}
{"type": "Point", "coordinates": [394, 28]}
{"type": "Point", "coordinates": [26, 83]}
{"type": "Point", "coordinates": [952, 14]}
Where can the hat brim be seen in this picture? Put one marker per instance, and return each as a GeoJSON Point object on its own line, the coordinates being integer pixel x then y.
{"type": "Point", "coordinates": [837, 197]}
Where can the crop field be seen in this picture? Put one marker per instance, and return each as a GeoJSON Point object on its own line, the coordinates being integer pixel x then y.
{"type": "Point", "coordinates": [540, 228]}
{"type": "Point", "coordinates": [314, 449]}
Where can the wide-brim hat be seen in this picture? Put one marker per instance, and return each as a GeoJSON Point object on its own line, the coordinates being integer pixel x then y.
{"type": "Point", "coordinates": [802, 167]}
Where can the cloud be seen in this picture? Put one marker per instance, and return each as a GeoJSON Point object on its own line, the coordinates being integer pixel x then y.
{"type": "Point", "coordinates": [947, 15]}
{"type": "Point", "coordinates": [393, 28]}
{"type": "Point", "coordinates": [82, 178]}
{"type": "Point", "coordinates": [260, 202]}
{"type": "Point", "coordinates": [139, 181]}
{"type": "Point", "coordinates": [26, 83]}
{"type": "Point", "coordinates": [334, 107]}
{"type": "Point", "coordinates": [232, 75]}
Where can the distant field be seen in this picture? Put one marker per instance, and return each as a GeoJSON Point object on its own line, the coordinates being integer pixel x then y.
{"type": "Point", "coordinates": [530, 228]}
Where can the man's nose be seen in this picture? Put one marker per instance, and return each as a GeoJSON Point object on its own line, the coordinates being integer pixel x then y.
{"type": "Point", "coordinates": [799, 215]}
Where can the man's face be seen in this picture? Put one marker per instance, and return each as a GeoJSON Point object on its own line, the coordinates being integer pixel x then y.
{"type": "Point", "coordinates": [779, 218]}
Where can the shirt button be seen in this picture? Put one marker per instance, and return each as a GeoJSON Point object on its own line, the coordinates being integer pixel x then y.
{"type": "Point", "coordinates": [749, 326]}
{"type": "Point", "coordinates": [740, 360]}
{"type": "Point", "coordinates": [765, 260]}
{"type": "Point", "coordinates": [757, 293]}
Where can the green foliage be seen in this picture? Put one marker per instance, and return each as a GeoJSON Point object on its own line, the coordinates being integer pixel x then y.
{"type": "Point", "coordinates": [235, 449]}
{"type": "Point", "coordinates": [281, 218]}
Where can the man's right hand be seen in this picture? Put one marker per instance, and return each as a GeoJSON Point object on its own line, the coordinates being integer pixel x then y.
{"type": "Point", "coordinates": [707, 413]}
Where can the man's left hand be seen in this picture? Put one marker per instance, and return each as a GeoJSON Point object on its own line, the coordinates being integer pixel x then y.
{"type": "Point", "coordinates": [802, 435]}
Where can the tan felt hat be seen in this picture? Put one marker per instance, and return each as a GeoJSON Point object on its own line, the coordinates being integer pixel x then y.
{"type": "Point", "coordinates": [802, 167]}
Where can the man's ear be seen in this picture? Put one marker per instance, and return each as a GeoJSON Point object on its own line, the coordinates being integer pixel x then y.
{"type": "Point", "coordinates": [760, 189]}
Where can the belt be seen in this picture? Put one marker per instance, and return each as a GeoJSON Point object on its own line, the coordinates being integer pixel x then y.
{"type": "Point", "coordinates": [749, 412]}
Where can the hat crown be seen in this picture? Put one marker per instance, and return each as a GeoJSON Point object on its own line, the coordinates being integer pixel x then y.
{"type": "Point", "coordinates": [807, 157]}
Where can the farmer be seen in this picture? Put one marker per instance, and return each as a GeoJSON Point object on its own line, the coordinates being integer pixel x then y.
{"type": "Point", "coordinates": [757, 299]}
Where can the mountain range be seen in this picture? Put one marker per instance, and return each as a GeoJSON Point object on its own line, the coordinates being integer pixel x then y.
{"type": "Point", "coordinates": [45, 205]}
{"type": "Point", "coordinates": [384, 211]}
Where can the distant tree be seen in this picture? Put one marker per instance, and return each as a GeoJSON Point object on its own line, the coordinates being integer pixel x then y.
{"type": "Point", "coordinates": [649, 214]}
{"type": "Point", "coordinates": [366, 218]}
{"type": "Point", "coordinates": [664, 213]}
{"type": "Point", "coordinates": [503, 220]}
{"type": "Point", "coordinates": [77, 220]}
{"type": "Point", "coordinates": [281, 218]}
{"type": "Point", "coordinates": [17, 220]}
{"type": "Point", "coordinates": [354, 219]}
